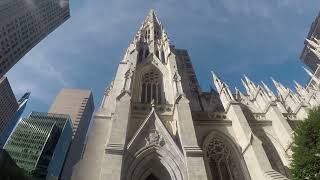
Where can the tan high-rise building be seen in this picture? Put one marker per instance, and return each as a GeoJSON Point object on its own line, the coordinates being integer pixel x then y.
{"type": "Point", "coordinates": [79, 105]}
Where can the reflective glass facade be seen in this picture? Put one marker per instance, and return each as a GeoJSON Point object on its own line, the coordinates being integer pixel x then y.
{"type": "Point", "coordinates": [39, 144]}
{"type": "Point", "coordinates": [22, 102]}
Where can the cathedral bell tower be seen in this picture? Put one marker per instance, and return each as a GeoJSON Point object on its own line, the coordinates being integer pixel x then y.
{"type": "Point", "coordinates": [144, 128]}
{"type": "Point", "coordinates": [155, 122]}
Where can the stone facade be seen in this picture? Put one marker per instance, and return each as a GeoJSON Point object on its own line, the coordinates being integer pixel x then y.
{"type": "Point", "coordinates": [156, 123]}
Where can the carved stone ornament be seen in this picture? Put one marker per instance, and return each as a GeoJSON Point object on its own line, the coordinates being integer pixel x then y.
{"type": "Point", "coordinates": [154, 138]}
{"type": "Point", "coordinates": [217, 150]}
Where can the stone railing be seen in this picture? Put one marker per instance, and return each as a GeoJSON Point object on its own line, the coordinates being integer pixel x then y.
{"type": "Point", "coordinates": [274, 175]}
{"type": "Point", "coordinates": [259, 116]}
{"type": "Point", "coordinates": [290, 116]}
{"type": "Point", "coordinates": [146, 107]}
{"type": "Point", "coordinates": [217, 115]}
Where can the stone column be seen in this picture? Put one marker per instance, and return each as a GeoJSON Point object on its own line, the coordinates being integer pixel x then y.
{"type": "Point", "coordinates": [89, 166]}
{"type": "Point", "coordinates": [281, 128]}
{"type": "Point", "coordinates": [252, 150]}
{"type": "Point", "coordinates": [112, 163]}
{"type": "Point", "coordinates": [194, 156]}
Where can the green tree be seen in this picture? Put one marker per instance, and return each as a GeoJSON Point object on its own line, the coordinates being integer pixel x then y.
{"type": "Point", "coordinates": [306, 148]}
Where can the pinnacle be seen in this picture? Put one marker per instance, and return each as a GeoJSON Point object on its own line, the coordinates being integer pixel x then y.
{"type": "Point", "coordinates": [151, 16]}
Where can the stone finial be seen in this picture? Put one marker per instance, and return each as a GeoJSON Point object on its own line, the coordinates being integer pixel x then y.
{"type": "Point", "coordinates": [245, 86]}
{"type": "Point", "coordinates": [153, 105]}
{"type": "Point", "coordinates": [300, 89]}
{"type": "Point", "coordinates": [222, 88]}
{"type": "Point", "coordinates": [282, 90]}
{"type": "Point", "coordinates": [239, 94]}
{"type": "Point", "coordinates": [269, 92]}
{"type": "Point", "coordinates": [217, 82]}
{"type": "Point", "coordinates": [249, 82]}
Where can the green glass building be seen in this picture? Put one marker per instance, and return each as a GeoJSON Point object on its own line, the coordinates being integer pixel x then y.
{"type": "Point", "coordinates": [39, 144]}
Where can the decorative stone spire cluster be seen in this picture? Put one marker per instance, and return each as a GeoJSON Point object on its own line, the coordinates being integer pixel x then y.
{"type": "Point", "coordinates": [259, 97]}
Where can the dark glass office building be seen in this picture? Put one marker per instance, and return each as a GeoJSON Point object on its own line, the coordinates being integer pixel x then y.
{"type": "Point", "coordinates": [39, 144]}
{"type": "Point", "coordinates": [24, 23]}
{"type": "Point", "coordinates": [22, 103]}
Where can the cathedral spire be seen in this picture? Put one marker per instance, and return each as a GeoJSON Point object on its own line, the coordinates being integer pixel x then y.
{"type": "Point", "coordinates": [226, 96]}
{"type": "Point", "coordinates": [270, 93]}
{"type": "Point", "coordinates": [239, 94]}
{"type": "Point", "coordinates": [300, 89]}
{"type": "Point", "coordinates": [282, 90]}
{"type": "Point", "coordinates": [250, 86]}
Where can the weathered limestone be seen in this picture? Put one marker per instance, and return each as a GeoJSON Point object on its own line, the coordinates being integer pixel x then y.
{"type": "Point", "coordinates": [194, 156]}
{"type": "Point", "coordinates": [115, 146]}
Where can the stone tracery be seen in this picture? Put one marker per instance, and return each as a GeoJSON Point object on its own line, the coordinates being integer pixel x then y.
{"type": "Point", "coordinates": [221, 160]}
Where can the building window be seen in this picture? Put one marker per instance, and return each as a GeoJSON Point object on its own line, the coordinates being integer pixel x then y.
{"type": "Point", "coordinates": [151, 88]}
{"type": "Point", "coordinates": [157, 54]}
{"type": "Point", "coordinates": [146, 53]}
{"type": "Point", "coordinates": [140, 54]}
{"type": "Point", "coordinates": [162, 57]}
{"type": "Point", "coordinates": [221, 161]}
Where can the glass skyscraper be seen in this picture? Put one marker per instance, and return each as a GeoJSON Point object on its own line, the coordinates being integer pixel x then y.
{"type": "Point", "coordinates": [24, 23]}
{"type": "Point", "coordinates": [22, 103]}
{"type": "Point", "coordinates": [39, 144]}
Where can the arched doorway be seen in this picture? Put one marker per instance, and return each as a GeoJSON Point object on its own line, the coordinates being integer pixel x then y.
{"type": "Point", "coordinates": [155, 163]}
{"type": "Point", "coordinates": [223, 159]}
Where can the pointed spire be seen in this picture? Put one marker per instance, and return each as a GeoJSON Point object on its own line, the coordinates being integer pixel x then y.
{"type": "Point", "coordinates": [245, 86]}
{"type": "Point", "coordinates": [250, 86]}
{"type": "Point", "coordinates": [239, 94]}
{"type": "Point", "coordinates": [282, 90]}
{"type": "Point", "coordinates": [300, 89]}
{"type": "Point", "coordinates": [297, 84]}
{"type": "Point", "coordinates": [217, 82]}
{"type": "Point", "coordinates": [313, 77]}
{"type": "Point", "coordinates": [223, 90]}
{"type": "Point", "coordinates": [152, 17]}
{"type": "Point", "coordinates": [249, 82]}
{"type": "Point", "coordinates": [270, 93]}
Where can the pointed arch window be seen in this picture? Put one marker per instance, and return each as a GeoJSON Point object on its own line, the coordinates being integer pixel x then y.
{"type": "Point", "coordinates": [162, 57]}
{"type": "Point", "coordinates": [221, 161]}
{"type": "Point", "coordinates": [146, 53]}
{"type": "Point", "coordinates": [151, 88]}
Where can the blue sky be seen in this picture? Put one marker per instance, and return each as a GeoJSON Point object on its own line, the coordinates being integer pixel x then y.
{"type": "Point", "coordinates": [253, 37]}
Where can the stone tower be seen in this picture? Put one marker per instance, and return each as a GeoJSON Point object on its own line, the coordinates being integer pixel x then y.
{"type": "Point", "coordinates": [155, 123]}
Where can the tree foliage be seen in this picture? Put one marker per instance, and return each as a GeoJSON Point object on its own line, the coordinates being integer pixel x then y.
{"type": "Point", "coordinates": [306, 148]}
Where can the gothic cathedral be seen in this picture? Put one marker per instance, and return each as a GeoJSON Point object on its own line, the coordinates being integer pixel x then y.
{"type": "Point", "coordinates": [155, 122]}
